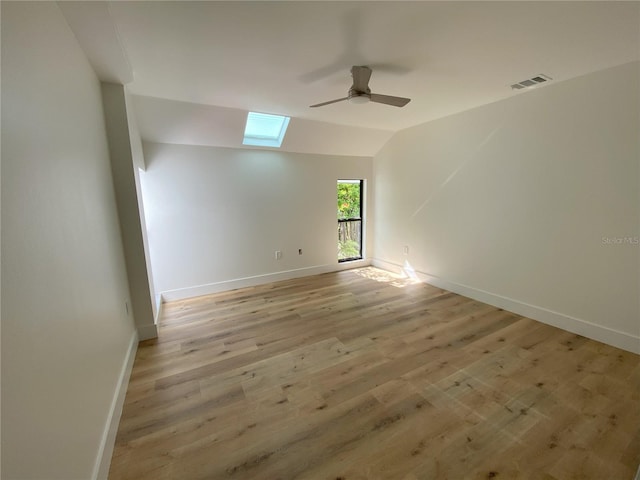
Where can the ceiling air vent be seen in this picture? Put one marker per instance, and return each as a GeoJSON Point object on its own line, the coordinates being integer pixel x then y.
{"type": "Point", "coordinates": [531, 82]}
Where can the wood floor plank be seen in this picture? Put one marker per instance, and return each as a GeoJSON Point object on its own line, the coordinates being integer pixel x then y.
{"type": "Point", "coordinates": [361, 374]}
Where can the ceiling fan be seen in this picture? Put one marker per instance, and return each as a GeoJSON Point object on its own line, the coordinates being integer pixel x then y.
{"type": "Point", "coordinates": [361, 93]}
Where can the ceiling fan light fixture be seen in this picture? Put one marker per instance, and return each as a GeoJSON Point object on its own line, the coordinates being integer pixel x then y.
{"type": "Point", "coordinates": [360, 98]}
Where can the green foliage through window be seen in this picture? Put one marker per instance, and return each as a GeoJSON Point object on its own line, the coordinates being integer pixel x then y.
{"type": "Point", "coordinates": [348, 249]}
{"type": "Point", "coordinates": [348, 200]}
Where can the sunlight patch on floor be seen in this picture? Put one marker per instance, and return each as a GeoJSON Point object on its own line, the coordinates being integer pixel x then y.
{"type": "Point", "coordinates": [384, 276]}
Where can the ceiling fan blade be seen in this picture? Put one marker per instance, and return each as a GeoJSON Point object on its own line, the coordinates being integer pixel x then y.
{"type": "Point", "coordinates": [329, 102]}
{"type": "Point", "coordinates": [361, 76]}
{"type": "Point", "coordinates": [390, 100]}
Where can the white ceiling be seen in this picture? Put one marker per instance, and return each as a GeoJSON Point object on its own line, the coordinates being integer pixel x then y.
{"type": "Point", "coordinates": [281, 57]}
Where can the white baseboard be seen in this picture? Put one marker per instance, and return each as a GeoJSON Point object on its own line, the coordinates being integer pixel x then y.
{"type": "Point", "coordinates": [199, 290]}
{"type": "Point", "coordinates": [585, 328]}
{"type": "Point", "coordinates": [103, 460]}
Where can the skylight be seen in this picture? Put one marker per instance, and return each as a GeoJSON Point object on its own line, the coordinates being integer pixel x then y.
{"type": "Point", "coordinates": [265, 130]}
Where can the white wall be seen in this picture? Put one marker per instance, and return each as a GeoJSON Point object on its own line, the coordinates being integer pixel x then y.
{"type": "Point", "coordinates": [512, 203]}
{"type": "Point", "coordinates": [216, 215]}
{"type": "Point", "coordinates": [65, 331]}
{"type": "Point", "coordinates": [140, 165]}
{"type": "Point", "coordinates": [124, 168]}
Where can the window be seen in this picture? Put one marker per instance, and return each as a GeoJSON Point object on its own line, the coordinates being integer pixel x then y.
{"type": "Point", "coordinates": [265, 130]}
{"type": "Point", "coordinates": [349, 220]}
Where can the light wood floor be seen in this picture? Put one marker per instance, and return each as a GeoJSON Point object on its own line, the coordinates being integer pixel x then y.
{"type": "Point", "coordinates": [358, 375]}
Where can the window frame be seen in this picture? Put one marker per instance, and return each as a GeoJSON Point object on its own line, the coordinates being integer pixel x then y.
{"type": "Point", "coordinates": [360, 255]}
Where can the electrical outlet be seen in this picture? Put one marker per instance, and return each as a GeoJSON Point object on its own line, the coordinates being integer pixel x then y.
{"type": "Point", "coordinates": [406, 250]}
{"type": "Point", "coordinates": [278, 254]}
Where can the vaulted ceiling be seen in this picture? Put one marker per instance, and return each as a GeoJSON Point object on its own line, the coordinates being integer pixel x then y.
{"type": "Point", "coordinates": [196, 68]}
